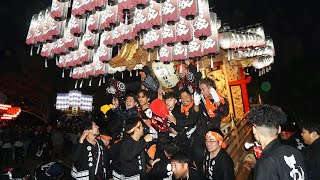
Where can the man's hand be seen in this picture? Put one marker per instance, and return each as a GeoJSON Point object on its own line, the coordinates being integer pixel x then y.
{"type": "Point", "coordinates": [83, 136]}
{"type": "Point", "coordinates": [152, 162]}
{"type": "Point", "coordinates": [148, 138]}
{"type": "Point", "coordinates": [172, 119]}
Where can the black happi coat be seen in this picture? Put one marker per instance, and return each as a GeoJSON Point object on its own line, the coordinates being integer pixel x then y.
{"type": "Point", "coordinates": [133, 158]}
{"type": "Point", "coordinates": [220, 167]}
{"type": "Point", "coordinates": [312, 159]}
{"type": "Point", "coordinates": [84, 159]}
{"type": "Point", "coordinates": [281, 162]}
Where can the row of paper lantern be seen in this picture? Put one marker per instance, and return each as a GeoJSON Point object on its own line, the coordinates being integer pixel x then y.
{"type": "Point", "coordinates": [74, 99]}
{"type": "Point", "coordinates": [88, 42]}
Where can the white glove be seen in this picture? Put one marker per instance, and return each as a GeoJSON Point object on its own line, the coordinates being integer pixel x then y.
{"type": "Point", "coordinates": [214, 95]}
{"type": "Point", "coordinates": [196, 98]}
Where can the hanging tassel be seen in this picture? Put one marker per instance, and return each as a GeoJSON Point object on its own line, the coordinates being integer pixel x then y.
{"type": "Point", "coordinates": [232, 55]}
{"type": "Point", "coordinates": [62, 73]}
{"type": "Point", "coordinates": [75, 86]}
{"type": "Point", "coordinates": [70, 74]}
{"type": "Point", "coordinates": [197, 66]}
{"type": "Point", "coordinates": [39, 48]}
{"type": "Point", "coordinates": [180, 69]}
{"type": "Point", "coordinates": [57, 62]}
{"type": "Point", "coordinates": [130, 73]}
{"type": "Point", "coordinates": [149, 56]}
{"type": "Point", "coordinates": [31, 51]}
{"type": "Point", "coordinates": [113, 76]}
{"type": "Point", "coordinates": [157, 55]}
{"type": "Point", "coordinates": [259, 72]}
{"type": "Point", "coordinates": [137, 47]}
{"type": "Point", "coordinates": [186, 51]}
{"type": "Point", "coordinates": [137, 72]}
{"type": "Point", "coordinates": [140, 39]}
{"type": "Point", "coordinates": [81, 83]}
{"type": "Point", "coordinates": [125, 49]}
{"type": "Point", "coordinates": [121, 75]}
{"type": "Point", "coordinates": [100, 81]}
{"type": "Point", "coordinates": [46, 63]}
{"type": "Point", "coordinates": [211, 62]}
{"type": "Point", "coordinates": [104, 80]}
{"type": "Point", "coordinates": [228, 55]}
{"type": "Point", "coordinates": [90, 82]}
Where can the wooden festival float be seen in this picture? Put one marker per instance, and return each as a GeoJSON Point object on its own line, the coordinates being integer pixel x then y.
{"type": "Point", "coordinates": [83, 36]}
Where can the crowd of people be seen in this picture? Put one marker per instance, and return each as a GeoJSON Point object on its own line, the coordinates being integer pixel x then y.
{"type": "Point", "coordinates": [181, 141]}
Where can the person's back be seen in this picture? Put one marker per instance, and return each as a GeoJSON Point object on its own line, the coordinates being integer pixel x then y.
{"type": "Point", "coordinates": [281, 162]}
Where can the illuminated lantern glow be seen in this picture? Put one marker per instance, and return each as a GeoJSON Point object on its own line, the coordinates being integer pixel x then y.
{"type": "Point", "coordinates": [127, 33]}
{"type": "Point", "coordinates": [210, 46]}
{"type": "Point", "coordinates": [141, 4]}
{"type": "Point", "coordinates": [125, 6]}
{"type": "Point", "coordinates": [180, 52]}
{"type": "Point", "coordinates": [195, 49]}
{"type": "Point", "coordinates": [31, 32]}
{"type": "Point", "coordinates": [59, 9]}
{"type": "Point", "coordinates": [93, 22]}
{"type": "Point", "coordinates": [74, 99]}
{"type": "Point", "coordinates": [77, 9]}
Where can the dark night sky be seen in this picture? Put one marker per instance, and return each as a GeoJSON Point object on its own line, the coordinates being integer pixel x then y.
{"type": "Point", "coordinates": [293, 26]}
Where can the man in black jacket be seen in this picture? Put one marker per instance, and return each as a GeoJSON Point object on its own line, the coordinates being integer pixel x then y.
{"type": "Point", "coordinates": [89, 154]}
{"type": "Point", "coordinates": [311, 136]}
{"type": "Point", "coordinates": [277, 161]}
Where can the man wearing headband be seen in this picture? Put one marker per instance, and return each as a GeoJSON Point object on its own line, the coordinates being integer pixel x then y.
{"type": "Point", "coordinates": [218, 163]}
{"type": "Point", "coordinates": [133, 156]}
{"type": "Point", "coordinates": [277, 161]}
{"type": "Point", "coordinates": [189, 77]}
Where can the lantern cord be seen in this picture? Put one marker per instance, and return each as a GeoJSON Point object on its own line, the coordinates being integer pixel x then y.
{"type": "Point", "coordinates": [232, 55]}
{"type": "Point", "coordinates": [75, 86]}
{"type": "Point", "coordinates": [104, 80]}
{"type": "Point", "coordinates": [57, 62]}
{"type": "Point", "coordinates": [81, 83]}
{"type": "Point", "coordinates": [137, 72]}
{"type": "Point", "coordinates": [130, 73]}
{"type": "Point", "coordinates": [158, 55]}
{"type": "Point", "coordinates": [90, 82]}
{"type": "Point", "coordinates": [197, 65]}
{"type": "Point", "coordinates": [100, 81]}
{"type": "Point", "coordinates": [38, 50]}
{"type": "Point", "coordinates": [46, 63]}
{"type": "Point", "coordinates": [31, 51]}
{"type": "Point", "coordinates": [211, 62]}
{"type": "Point", "coordinates": [62, 73]}
{"type": "Point", "coordinates": [119, 49]}
{"type": "Point", "coordinates": [149, 56]}
{"type": "Point", "coordinates": [228, 55]}
{"type": "Point", "coordinates": [70, 74]}
{"type": "Point", "coordinates": [113, 76]}
{"type": "Point", "coordinates": [121, 75]}
{"type": "Point", "coordinates": [137, 44]}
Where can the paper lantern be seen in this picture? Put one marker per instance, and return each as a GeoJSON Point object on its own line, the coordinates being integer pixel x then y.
{"type": "Point", "coordinates": [46, 50]}
{"type": "Point", "coordinates": [210, 45]}
{"type": "Point", "coordinates": [104, 54]}
{"type": "Point", "coordinates": [31, 32]}
{"type": "Point", "coordinates": [170, 12]}
{"type": "Point", "coordinates": [77, 9]}
{"type": "Point", "coordinates": [140, 21]}
{"type": "Point", "coordinates": [169, 35]}
{"type": "Point", "coordinates": [184, 32]}
{"type": "Point", "coordinates": [159, 108]}
{"type": "Point", "coordinates": [38, 36]}
{"type": "Point", "coordinates": [166, 54]}
{"type": "Point", "coordinates": [85, 54]}
{"type": "Point", "coordinates": [180, 52]}
{"type": "Point", "coordinates": [165, 73]}
{"type": "Point", "coordinates": [71, 42]}
{"type": "Point", "coordinates": [90, 39]}
{"type": "Point", "coordinates": [127, 33]}
{"type": "Point", "coordinates": [106, 38]}
{"type": "Point", "coordinates": [62, 61]}
{"type": "Point", "coordinates": [202, 23]}
{"type": "Point", "coordinates": [59, 9]}
{"type": "Point", "coordinates": [75, 74]}
{"type": "Point", "coordinates": [93, 22]}
{"type": "Point", "coordinates": [195, 49]}
{"type": "Point", "coordinates": [189, 9]}
{"type": "Point", "coordinates": [154, 15]}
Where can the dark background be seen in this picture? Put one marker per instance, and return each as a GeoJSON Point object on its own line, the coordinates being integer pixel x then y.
{"type": "Point", "coordinates": [292, 25]}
